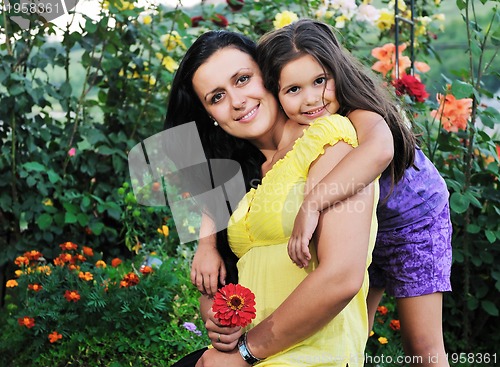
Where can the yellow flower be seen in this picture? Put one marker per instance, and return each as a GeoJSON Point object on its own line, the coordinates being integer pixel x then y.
{"type": "Point", "coordinates": [100, 264]}
{"type": "Point", "coordinates": [11, 283]}
{"type": "Point", "coordinates": [437, 2]}
{"type": "Point", "coordinates": [401, 5]}
{"type": "Point", "coordinates": [124, 5]}
{"type": "Point", "coordinates": [163, 230]}
{"type": "Point", "coordinates": [150, 79]}
{"type": "Point", "coordinates": [48, 202]}
{"type": "Point", "coordinates": [372, 333]}
{"type": "Point", "coordinates": [18, 273]}
{"type": "Point", "coordinates": [383, 340]}
{"type": "Point", "coordinates": [172, 40]}
{"type": "Point", "coordinates": [146, 19]}
{"type": "Point", "coordinates": [284, 18]}
{"type": "Point", "coordinates": [44, 269]}
{"type": "Point", "coordinates": [441, 17]}
{"type": "Point", "coordinates": [340, 21]}
{"type": "Point", "coordinates": [386, 20]}
{"type": "Point", "coordinates": [191, 229]}
{"type": "Point", "coordinates": [169, 63]}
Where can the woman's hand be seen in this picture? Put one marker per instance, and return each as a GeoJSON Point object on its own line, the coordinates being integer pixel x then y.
{"type": "Point", "coordinates": [214, 358]}
{"type": "Point", "coordinates": [223, 338]}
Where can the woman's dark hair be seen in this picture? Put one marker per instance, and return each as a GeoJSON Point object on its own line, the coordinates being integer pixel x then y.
{"type": "Point", "coordinates": [184, 106]}
{"type": "Point", "coordinates": [356, 87]}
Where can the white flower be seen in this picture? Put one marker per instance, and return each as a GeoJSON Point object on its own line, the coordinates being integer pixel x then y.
{"type": "Point", "coordinates": [368, 13]}
{"type": "Point", "coordinates": [346, 7]}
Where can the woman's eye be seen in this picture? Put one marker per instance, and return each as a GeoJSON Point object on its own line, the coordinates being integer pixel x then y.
{"type": "Point", "coordinates": [293, 90]}
{"type": "Point", "coordinates": [243, 79]}
{"type": "Point", "coordinates": [320, 80]}
{"type": "Point", "coordinates": [216, 98]}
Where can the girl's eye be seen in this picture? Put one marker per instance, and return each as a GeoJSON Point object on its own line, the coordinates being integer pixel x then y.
{"type": "Point", "coordinates": [293, 90]}
{"type": "Point", "coordinates": [216, 97]}
{"type": "Point", "coordinates": [320, 80]}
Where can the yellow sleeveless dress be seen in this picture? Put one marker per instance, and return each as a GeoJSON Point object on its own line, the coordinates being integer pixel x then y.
{"type": "Point", "coordinates": [258, 234]}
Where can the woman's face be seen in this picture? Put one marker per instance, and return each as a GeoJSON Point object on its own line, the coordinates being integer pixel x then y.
{"type": "Point", "coordinates": [230, 87]}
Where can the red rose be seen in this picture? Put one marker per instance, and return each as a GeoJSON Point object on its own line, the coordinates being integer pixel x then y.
{"type": "Point", "coordinates": [220, 20]}
{"type": "Point", "coordinates": [235, 5]}
{"type": "Point", "coordinates": [410, 85]}
{"type": "Point", "coordinates": [195, 21]}
{"type": "Point", "coordinates": [234, 305]}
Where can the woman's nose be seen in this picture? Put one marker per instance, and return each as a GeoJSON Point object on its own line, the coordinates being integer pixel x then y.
{"type": "Point", "coordinates": [312, 98]}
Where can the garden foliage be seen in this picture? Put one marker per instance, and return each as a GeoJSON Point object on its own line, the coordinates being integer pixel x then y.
{"type": "Point", "coordinates": [74, 102]}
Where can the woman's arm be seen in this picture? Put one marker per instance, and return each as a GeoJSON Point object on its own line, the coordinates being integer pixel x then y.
{"type": "Point", "coordinates": [342, 240]}
{"type": "Point", "coordinates": [358, 169]}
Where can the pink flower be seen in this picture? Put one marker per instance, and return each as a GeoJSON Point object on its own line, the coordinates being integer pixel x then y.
{"type": "Point", "coordinates": [72, 152]}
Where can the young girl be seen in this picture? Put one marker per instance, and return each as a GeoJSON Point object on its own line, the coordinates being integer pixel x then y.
{"type": "Point", "coordinates": [306, 68]}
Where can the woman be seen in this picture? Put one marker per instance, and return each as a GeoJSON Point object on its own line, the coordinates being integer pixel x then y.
{"type": "Point", "coordinates": [219, 86]}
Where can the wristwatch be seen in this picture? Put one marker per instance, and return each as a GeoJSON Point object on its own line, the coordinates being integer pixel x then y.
{"type": "Point", "coordinates": [245, 352]}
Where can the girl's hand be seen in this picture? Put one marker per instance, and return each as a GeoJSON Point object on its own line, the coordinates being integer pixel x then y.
{"type": "Point", "coordinates": [303, 229]}
{"type": "Point", "coordinates": [207, 270]}
{"type": "Point", "coordinates": [215, 358]}
{"type": "Point", "coordinates": [223, 338]}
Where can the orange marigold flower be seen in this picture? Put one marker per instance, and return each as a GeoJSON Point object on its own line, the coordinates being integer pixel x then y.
{"type": "Point", "coordinates": [72, 296]}
{"type": "Point", "coordinates": [79, 257]}
{"type": "Point", "coordinates": [129, 280]}
{"type": "Point", "coordinates": [115, 262]}
{"type": "Point", "coordinates": [382, 310]}
{"type": "Point", "coordinates": [54, 336]}
{"type": "Point", "coordinates": [87, 276]}
{"type": "Point", "coordinates": [33, 255]}
{"type": "Point", "coordinates": [453, 113]}
{"type": "Point", "coordinates": [11, 283]}
{"type": "Point", "coordinates": [146, 270]}
{"type": "Point", "coordinates": [498, 151]}
{"type": "Point", "coordinates": [68, 246]}
{"type": "Point", "coordinates": [18, 273]}
{"type": "Point", "coordinates": [100, 264]}
{"type": "Point", "coordinates": [21, 260]}
{"type": "Point", "coordinates": [27, 321]}
{"type": "Point", "coordinates": [234, 305]}
{"type": "Point", "coordinates": [73, 267]}
{"type": "Point", "coordinates": [395, 325]}
{"type": "Point", "coordinates": [88, 251]}
{"type": "Point", "coordinates": [35, 287]}
{"type": "Point", "coordinates": [44, 269]}
{"type": "Point", "coordinates": [383, 340]}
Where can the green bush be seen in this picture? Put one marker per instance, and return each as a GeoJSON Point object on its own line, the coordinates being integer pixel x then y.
{"type": "Point", "coordinates": [71, 110]}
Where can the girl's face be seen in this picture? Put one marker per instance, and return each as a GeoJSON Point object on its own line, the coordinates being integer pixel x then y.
{"type": "Point", "coordinates": [230, 87]}
{"type": "Point", "coordinates": [306, 91]}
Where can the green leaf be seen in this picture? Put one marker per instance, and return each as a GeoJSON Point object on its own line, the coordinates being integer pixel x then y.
{"type": "Point", "coordinates": [83, 219]}
{"type": "Point", "coordinates": [461, 4]}
{"type": "Point", "coordinates": [44, 221]}
{"type": "Point", "coordinates": [490, 308]}
{"type": "Point", "coordinates": [97, 228]}
{"type": "Point", "coordinates": [490, 235]}
{"type": "Point", "coordinates": [459, 203]}
{"type": "Point", "coordinates": [90, 26]}
{"type": "Point", "coordinates": [34, 166]}
{"type": "Point", "coordinates": [461, 89]}
{"type": "Point", "coordinates": [53, 177]}
{"type": "Point", "coordinates": [70, 218]}
{"type": "Point", "coordinates": [473, 228]}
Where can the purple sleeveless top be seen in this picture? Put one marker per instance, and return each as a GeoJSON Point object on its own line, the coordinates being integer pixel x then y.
{"type": "Point", "coordinates": [421, 192]}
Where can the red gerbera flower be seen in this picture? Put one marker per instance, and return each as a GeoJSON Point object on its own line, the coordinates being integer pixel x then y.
{"type": "Point", "coordinates": [234, 305]}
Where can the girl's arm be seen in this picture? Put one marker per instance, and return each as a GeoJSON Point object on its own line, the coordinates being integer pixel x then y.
{"type": "Point", "coordinates": [208, 267]}
{"type": "Point", "coordinates": [358, 169]}
{"type": "Point", "coordinates": [342, 240]}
